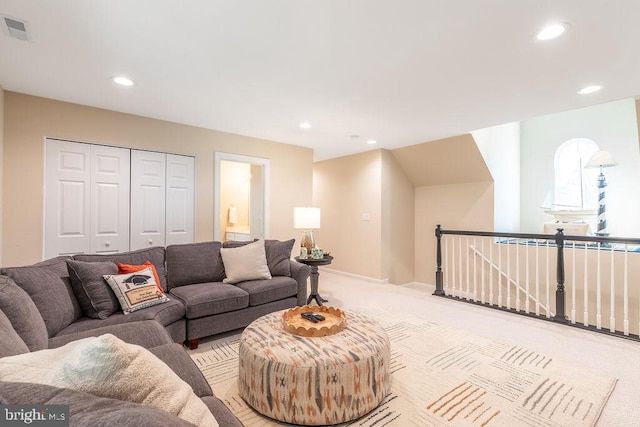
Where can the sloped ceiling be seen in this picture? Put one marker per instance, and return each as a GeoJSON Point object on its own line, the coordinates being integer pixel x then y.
{"type": "Point", "coordinates": [453, 160]}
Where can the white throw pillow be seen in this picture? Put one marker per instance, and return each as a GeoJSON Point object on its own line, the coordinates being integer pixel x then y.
{"type": "Point", "coordinates": [248, 262]}
{"type": "Point", "coordinates": [136, 290]}
{"type": "Point", "coordinates": [106, 366]}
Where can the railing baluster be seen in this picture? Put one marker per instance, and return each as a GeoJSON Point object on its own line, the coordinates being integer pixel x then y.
{"type": "Point", "coordinates": [509, 274]}
{"type": "Point", "coordinates": [612, 296]}
{"type": "Point", "coordinates": [573, 283]}
{"type": "Point", "coordinates": [447, 266]}
{"type": "Point", "coordinates": [526, 269]}
{"type": "Point", "coordinates": [585, 315]}
{"type": "Point", "coordinates": [482, 298]}
{"type": "Point", "coordinates": [625, 323]}
{"type": "Point", "coordinates": [499, 273]}
{"type": "Point", "coordinates": [466, 252]}
{"type": "Point", "coordinates": [517, 275]}
{"type": "Point", "coordinates": [491, 271]}
{"type": "Point", "coordinates": [460, 284]}
{"type": "Point", "coordinates": [598, 295]}
{"type": "Point", "coordinates": [537, 280]}
{"type": "Point", "coordinates": [548, 273]}
{"type": "Point", "coordinates": [475, 274]}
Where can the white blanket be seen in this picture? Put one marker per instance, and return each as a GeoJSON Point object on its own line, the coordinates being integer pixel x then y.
{"type": "Point", "coordinates": [108, 367]}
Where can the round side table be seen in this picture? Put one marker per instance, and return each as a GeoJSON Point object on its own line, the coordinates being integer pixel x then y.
{"type": "Point", "coordinates": [314, 264]}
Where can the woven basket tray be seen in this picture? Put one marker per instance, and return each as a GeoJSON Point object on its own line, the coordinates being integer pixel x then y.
{"type": "Point", "coordinates": [334, 321]}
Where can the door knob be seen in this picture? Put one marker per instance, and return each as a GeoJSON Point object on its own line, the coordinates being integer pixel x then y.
{"type": "Point", "coordinates": [107, 244]}
{"type": "Point", "coordinates": [150, 242]}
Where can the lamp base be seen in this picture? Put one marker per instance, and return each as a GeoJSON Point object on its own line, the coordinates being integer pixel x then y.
{"type": "Point", "coordinates": [308, 241]}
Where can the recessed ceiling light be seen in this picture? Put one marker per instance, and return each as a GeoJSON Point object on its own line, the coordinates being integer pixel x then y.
{"type": "Point", "coordinates": [589, 89]}
{"type": "Point", "coordinates": [552, 31]}
{"type": "Point", "coordinates": [305, 125]}
{"type": "Point", "coordinates": [124, 81]}
{"type": "Point", "coordinates": [371, 141]}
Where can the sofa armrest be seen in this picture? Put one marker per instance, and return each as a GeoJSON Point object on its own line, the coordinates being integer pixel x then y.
{"type": "Point", "coordinates": [300, 272]}
{"type": "Point", "coordinates": [145, 333]}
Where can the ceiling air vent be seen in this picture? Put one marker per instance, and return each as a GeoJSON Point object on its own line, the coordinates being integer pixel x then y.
{"type": "Point", "coordinates": [15, 28]}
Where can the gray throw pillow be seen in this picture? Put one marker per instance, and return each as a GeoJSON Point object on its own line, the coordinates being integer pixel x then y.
{"type": "Point", "coordinates": [23, 314]}
{"type": "Point", "coordinates": [94, 294]}
{"type": "Point", "coordinates": [10, 342]}
{"type": "Point", "coordinates": [279, 256]}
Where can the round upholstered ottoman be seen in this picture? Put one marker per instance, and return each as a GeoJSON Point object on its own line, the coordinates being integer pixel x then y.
{"type": "Point", "coordinates": [314, 380]}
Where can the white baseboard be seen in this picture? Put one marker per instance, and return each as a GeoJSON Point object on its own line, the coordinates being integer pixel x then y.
{"type": "Point", "coordinates": [356, 276]}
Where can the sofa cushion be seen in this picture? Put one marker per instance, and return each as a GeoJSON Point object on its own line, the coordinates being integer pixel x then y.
{"type": "Point", "coordinates": [140, 256]}
{"type": "Point", "coordinates": [48, 285]}
{"type": "Point", "coordinates": [165, 314]}
{"type": "Point", "coordinates": [264, 291]}
{"type": "Point", "coordinates": [194, 263]}
{"type": "Point", "coordinates": [206, 299]}
{"type": "Point", "coordinates": [248, 262]}
{"type": "Point", "coordinates": [23, 314]}
{"type": "Point", "coordinates": [145, 333]}
{"type": "Point", "coordinates": [136, 291]}
{"type": "Point", "coordinates": [94, 295]}
{"type": "Point", "coordinates": [88, 410]}
{"type": "Point", "coordinates": [278, 254]}
{"type": "Point", "coordinates": [10, 342]}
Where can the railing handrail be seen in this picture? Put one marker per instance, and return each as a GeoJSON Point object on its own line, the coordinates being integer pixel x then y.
{"type": "Point", "coordinates": [571, 237]}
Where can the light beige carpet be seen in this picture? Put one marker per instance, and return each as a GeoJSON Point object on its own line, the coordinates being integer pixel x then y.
{"type": "Point", "coordinates": [446, 376]}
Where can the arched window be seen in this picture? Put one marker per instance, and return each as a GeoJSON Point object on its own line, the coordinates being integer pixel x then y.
{"type": "Point", "coordinates": [574, 186]}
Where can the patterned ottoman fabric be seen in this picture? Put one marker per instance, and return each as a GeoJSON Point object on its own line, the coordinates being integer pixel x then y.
{"type": "Point", "coordinates": [314, 381]}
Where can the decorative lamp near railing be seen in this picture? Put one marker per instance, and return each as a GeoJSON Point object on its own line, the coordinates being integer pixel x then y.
{"type": "Point", "coordinates": [306, 219]}
{"type": "Point", "coordinates": [601, 159]}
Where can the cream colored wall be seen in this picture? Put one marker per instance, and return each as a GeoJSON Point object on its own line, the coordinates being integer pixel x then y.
{"type": "Point", "coordinates": [344, 189]}
{"type": "Point", "coordinates": [398, 224]}
{"type": "Point", "coordinates": [29, 119]}
{"type": "Point", "coordinates": [467, 206]}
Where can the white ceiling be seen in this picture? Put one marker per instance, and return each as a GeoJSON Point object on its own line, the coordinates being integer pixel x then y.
{"type": "Point", "coordinates": [401, 72]}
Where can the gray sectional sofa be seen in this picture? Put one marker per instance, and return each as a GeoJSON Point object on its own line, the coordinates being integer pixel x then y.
{"type": "Point", "coordinates": [62, 300]}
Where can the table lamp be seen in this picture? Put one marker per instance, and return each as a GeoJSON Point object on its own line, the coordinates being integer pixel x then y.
{"type": "Point", "coordinates": [306, 219]}
{"type": "Point", "coordinates": [601, 159]}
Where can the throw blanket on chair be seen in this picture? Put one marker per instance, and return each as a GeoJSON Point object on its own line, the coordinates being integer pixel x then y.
{"type": "Point", "coordinates": [106, 366]}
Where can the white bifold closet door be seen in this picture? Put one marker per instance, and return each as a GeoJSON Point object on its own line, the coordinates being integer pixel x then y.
{"type": "Point", "coordinates": [148, 199]}
{"type": "Point", "coordinates": [180, 227]}
{"type": "Point", "coordinates": [86, 198]}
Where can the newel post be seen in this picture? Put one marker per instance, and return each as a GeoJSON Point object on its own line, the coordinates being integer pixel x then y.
{"type": "Point", "coordinates": [439, 288]}
{"type": "Point", "coordinates": [560, 295]}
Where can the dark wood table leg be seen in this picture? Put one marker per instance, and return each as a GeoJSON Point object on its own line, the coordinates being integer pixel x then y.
{"type": "Point", "coordinates": [314, 287]}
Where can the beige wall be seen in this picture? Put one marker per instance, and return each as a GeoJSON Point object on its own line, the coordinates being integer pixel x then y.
{"type": "Point", "coordinates": [398, 226]}
{"type": "Point", "coordinates": [29, 119]}
{"type": "Point", "coordinates": [344, 189]}
{"type": "Point", "coordinates": [467, 206]}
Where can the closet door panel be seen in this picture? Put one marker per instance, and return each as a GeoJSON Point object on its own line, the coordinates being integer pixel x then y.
{"type": "Point", "coordinates": [180, 209]}
{"type": "Point", "coordinates": [110, 184]}
{"type": "Point", "coordinates": [67, 196]}
{"type": "Point", "coordinates": [148, 197]}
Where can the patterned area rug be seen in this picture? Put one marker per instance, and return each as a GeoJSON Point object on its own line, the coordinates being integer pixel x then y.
{"type": "Point", "coordinates": [443, 376]}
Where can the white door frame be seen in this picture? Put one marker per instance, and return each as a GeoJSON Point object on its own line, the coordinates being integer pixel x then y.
{"type": "Point", "coordinates": [265, 163]}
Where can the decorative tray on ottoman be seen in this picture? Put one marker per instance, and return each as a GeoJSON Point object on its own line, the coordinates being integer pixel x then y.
{"type": "Point", "coordinates": [334, 321]}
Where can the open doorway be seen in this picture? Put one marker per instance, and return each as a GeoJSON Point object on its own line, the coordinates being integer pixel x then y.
{"type": "Point", "coordinates": [241, 199]}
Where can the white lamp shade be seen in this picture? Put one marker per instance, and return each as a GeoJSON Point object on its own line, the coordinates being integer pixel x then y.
{"type": "Point", "coordinates": [306, 218]}
{"type": "Point", "coordinates": [601, 159]}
